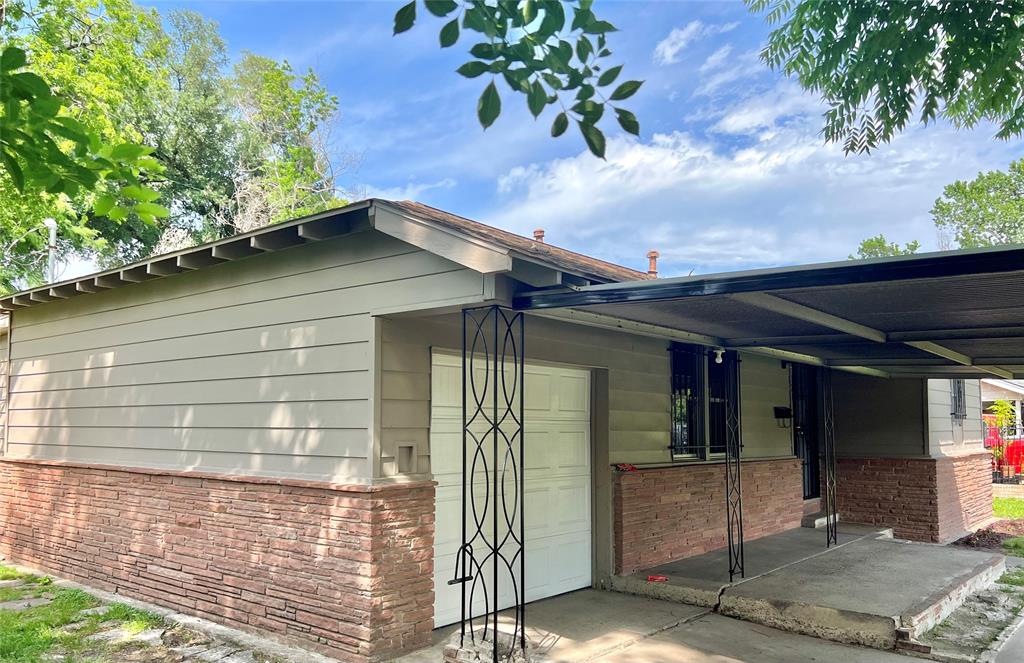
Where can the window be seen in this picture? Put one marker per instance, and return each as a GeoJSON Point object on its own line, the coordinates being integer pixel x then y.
{"type": "Point", "coordinates": [958, 399]}
{"type": "Point", "coordinates": [688, 367]}
{"type": "Point", "coordinates": [705, 389]}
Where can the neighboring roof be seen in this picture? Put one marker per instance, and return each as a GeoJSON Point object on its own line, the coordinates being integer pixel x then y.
{"type": "Point", "coordinates": [947, 314]}
{"type": "Point", "coordinates": [1013, 386]}
{"type": "Point", "coordinates": [577, 262]}
{"type": "Point", "coordinates": [470, 243]}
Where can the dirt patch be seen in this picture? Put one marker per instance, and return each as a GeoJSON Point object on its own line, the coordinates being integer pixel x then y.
{"type": "Point", "coordinates": [992, 537]}
{"type": "Point", "coordinates": [973, 627]}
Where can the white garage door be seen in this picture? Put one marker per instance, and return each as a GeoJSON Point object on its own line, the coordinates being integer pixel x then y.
{"type": "Point", "coordinates": [557, 482]}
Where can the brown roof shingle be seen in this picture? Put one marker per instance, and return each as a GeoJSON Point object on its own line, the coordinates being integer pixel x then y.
{"type": "Point", "coordinates": [558, 257]}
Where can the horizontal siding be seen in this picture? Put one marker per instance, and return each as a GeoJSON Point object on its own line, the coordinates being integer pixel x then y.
{"type": "Point", "coordinates": [764, 385]}
{"type": "Point", "coordinates": [3, 390]}
{"type": "Point", "coordinates": [878, 417]}
{"type": "Point", "coordinates": [946, 436]}
{"type": "Point", "coordinates": [259, 366]}
{"type": "Point", "coordinates": [638, 386]}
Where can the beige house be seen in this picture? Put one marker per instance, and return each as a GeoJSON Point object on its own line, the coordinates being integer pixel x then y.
{"type": "Point", "coordinates": [272, 430]}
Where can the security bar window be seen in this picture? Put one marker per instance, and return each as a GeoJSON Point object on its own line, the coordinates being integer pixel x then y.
{"type": "Point", "coordinates": [701, 396]}
{"type": "Point", "coordinates": [958, 399]}
{"type": "Point", "coordinates": [688, 371]}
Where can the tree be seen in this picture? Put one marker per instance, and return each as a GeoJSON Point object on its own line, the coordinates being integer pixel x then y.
{"type": "Point", "coordinates": [880, 63]}
{"type": "Point", "coordinates": [879, 247]}
{"type": "Point", "coordinates": [987, 211]}
{"type": "Point", "coordinates": [528, 45]}
{"type": "Point", "coordinates": [53, 162]}
{"type": "Point", "coordinates": [128, 77]}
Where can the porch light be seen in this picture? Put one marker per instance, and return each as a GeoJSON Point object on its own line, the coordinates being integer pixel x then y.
{"type": "Point", "coordinates": [783, 416]}
{"type": "Point", "coordinates": [718, 355]}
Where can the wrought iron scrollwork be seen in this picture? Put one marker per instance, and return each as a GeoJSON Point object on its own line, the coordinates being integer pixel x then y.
{"type": "Point", "coordinates": [828, 453]}
{"type": "Point", "coordinates": [491, 561]}
{"type": "Point", "coordinates": [733, 468]}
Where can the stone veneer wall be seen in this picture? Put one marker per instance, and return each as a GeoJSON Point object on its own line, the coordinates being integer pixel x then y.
{"type": "Point", "coordinates": [344, 570]}
{"type": "Point", "coordinates": [670, 513]}
{"type": "Point", "coordinates": [922, 499]}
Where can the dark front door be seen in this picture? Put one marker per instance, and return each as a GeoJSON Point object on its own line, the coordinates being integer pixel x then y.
{"type": "Point", "coordinates": [806, 426]}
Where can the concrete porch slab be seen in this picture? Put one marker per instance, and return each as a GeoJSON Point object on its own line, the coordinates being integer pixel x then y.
{"type": "Point", "coordinates": [867, 591]}
{"type": "Point", "coordinates": [717, 639]}
{"type": "Point", "coordinates": [581, 626]}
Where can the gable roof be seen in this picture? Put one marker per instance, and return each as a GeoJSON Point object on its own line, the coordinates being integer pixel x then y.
{"type": "Point", "coordinates": [542, 251]}
{"type": "Point", "coordinates": [473, 244]}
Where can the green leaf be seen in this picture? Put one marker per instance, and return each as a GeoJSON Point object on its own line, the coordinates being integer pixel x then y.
{"type": "Point", "coordinates": [117, 213]}
{"type": "Point", "coordinates": [599, 27]}
{"type": "Point", "coordinates": [142, 194]}
{"type": "Point", "coordinates": [529, 11]}
{"type": "Point", "coordinates": [489, 106]}
{"type": "Point", "coordinates": [593, 137]}
{"type": "Point", "coordinates": [450, 33]}
{"type": "Point", "coordinates": [14, 170]}
{"type": "Point", "coordinates": [440, 7]}
{"type": "Point", "coordinates": [103, 204]}
{"type": "Point", "coordinates": [559, 126]}
{"type": "Point", "coordinates": [628, 121]}
{"type": "Point", "coordinates": [554, 19]}
{"type": "Point", "coordinates": [626, 90]}
{"type": "Point", "coordinates": [609, 76]}
{"type": "Point", "coordinates": [31, 83]}
{"type": "Point", "coordinates": [484, 51]}
{"type": "Point", "coordinates": [129, 152]}
{"type": "Point", "coordinates": [158, 211]}
{"type": "Point", "coordinates": [473, 69]}
{"type": "Point", "coordinates": [12, 58]}
{"type": "Point", "coordinates": [405, 17]}
{"type": "Point", "coordinates": [590, 110]}
{"type": "Point", "coordinates": [537, 98]}
{"type": "Point", "coordinates": [584, 49]}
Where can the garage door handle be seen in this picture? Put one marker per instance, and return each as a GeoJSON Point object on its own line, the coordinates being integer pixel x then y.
{"type": "Point", "coordinates": [459, 581]}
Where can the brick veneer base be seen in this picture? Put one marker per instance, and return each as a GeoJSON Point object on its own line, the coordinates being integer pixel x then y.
{"type": "Point", "coordinates": [347, 571]}
{"type": "Point", "coordinates": [922, 499]}
{"type": "Point", "coordinates": [672, 513]}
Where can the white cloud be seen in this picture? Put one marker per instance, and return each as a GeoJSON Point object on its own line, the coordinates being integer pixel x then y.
{"type": "Point", "coordinates": [720, 70]}
{"type": "Point", "coordinates": [767, 109]}
{"type": "Point", "coordinates": [716, 59]}
{"type": "Point", "coordinates": [668, 49]}
{"type": "Point", "coordinates": [411, 191]}
{"type": "Point", "coordinates": [773, 195]}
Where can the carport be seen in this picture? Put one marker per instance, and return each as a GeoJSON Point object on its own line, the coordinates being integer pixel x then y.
{"type": "Point", "coordinates": [954, 314]}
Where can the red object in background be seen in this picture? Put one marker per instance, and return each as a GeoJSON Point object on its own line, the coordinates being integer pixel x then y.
{"type": "Point", "coordinates": [657, 578]}
{"type": "Point", "coordinates": [625, 467]}
{"type": "Point", "coordinates": [1013, 449]}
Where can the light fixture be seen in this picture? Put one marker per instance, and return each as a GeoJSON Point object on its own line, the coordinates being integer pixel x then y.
{"type": "Point", "coordinates": [718, 355]}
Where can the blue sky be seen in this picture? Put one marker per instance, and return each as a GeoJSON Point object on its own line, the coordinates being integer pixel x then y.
{"type": "Point", "coordinates": [729, 171]}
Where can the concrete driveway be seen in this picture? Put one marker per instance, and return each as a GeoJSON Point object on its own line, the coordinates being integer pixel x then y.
{"type": "Point", "coordinates": [607, 627]}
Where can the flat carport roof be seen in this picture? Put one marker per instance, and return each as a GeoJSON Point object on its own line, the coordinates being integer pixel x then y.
{"type": "Point", "coordinates": [947, 314]}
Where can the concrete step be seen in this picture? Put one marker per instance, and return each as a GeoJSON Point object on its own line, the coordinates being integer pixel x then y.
{"type": "Point", "coordinates": [815, 520]}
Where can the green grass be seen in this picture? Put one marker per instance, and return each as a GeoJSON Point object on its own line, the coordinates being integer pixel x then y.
{"type": "Point", "coordinates": [1008, 507]}
{"type": "Point", "coordinates": [1014, 577]}
{"type": "Point", "coordinates": [1014, 546]}
{"type": "Point", "coordinates": [135, 620]}
{"type": "Point", "coordinates": [27, 636]}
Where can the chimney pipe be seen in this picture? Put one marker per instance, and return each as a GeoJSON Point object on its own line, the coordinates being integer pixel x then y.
{"type": "Point", "coordinates": [652, 263]}
{"type": "Point", "coordinates": [538, 235]}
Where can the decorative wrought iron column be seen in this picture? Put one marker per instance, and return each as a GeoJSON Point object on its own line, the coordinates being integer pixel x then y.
{"type": "Point", "coordinates": [828, 456]}
{"type": "Point", "coordinates": [733, 468]}
{"type": "Point", "coordinates": [491, 562]}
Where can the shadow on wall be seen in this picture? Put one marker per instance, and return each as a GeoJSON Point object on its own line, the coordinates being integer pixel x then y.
{"type": "Point", "coordinates": [964, 488]}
